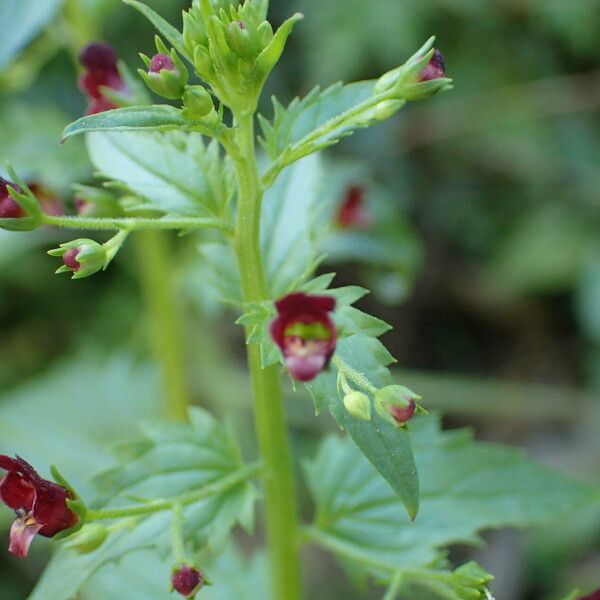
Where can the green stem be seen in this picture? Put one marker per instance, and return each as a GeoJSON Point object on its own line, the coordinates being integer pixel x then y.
{"type": "Point", "coordinates": [394, 588]}
{"type": "Point", "coordinates": [137, 223]}
{"type": "Point", "coordinates": [211, 489]}
{"type": "Point", "coordinates": [280, 497]}
{"type": "Point", "coordinates": [177, 533]}
{"type": "Point", "coordinates": [167, 330]}
{"type": "Point", "coordinates": [296, 151]}
{"type": "Point", "coordinates": [352, 374]}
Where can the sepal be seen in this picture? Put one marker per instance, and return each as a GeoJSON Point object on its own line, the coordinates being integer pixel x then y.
{"type": "Point", "coordinates": [19, 192]}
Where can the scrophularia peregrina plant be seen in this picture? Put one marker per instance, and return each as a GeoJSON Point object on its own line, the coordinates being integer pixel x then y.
{"type": "Point", "coordinates": [212, 72]}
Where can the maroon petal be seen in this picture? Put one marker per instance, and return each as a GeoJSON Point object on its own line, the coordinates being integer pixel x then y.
{"type": "Point", "coordinates": [21, 536]}
{"type": "Point", "coordinates": [98, 56]}
{"type": "Point", "coordinates": [435, 69]}
{"type": "Point", "coordinates": [299, 302]}
{"type": "Point", "coordinates": [305, 368]}
{"type": "Point", "coordinates": [17, 493]}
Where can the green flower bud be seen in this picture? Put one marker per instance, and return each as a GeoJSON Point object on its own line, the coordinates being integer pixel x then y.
{"type": "Point", "coordinates": [396, 404]}
{"type": "Point", "coordinates": [386, 109]}
{"type": "Point", "coordinates": [82, 257]}
{"type": "Point", "coordinates": [89, 537]}
{"type": "Point", "coordinates": [194, 33]}
{"type": "Point", "coordinates": [358, 405]}
{"type": "Point", "coordinates": [240, 40]}
{"type": "Point", "coordinates": [198, 104]}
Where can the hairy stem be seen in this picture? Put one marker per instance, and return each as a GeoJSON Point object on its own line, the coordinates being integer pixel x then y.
{"type": "Point", "coordinates": [159, 505]}
{"type": "Point", "coordinates": [137, 223]}
{"type": "Point", "coordinates": [156, 280]}
{"type": "Point", "coordinates": [280, 499]}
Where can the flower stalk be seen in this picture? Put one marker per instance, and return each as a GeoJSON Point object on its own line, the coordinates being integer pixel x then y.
{"type": "Point", "coordinates": [280, 496]}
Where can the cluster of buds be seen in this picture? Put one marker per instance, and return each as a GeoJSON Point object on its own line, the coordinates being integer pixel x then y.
{"type": "Point", "coordinates": [42, 507]}
{"type": "Point", "coordinates": [234, 47]}
{"type": "Point", "coordinates": [421, 76]}
{"type": "Point", "coordinates": [470, 581]}
{"type": "Point", "coordinates": [81, 257]}
{"type": "Point", "coordinates": [395, 404]}
{"type": "Point", "coordinates": [187, 580]}
{"type": "Point", "coordinates": [305, 333]}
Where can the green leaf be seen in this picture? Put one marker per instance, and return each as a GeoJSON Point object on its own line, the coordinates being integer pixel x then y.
{"type": "Point", "coordinates": [317, 121]}
{"type": "Point", "coordinates": [46, 418]}
{"type": "Point", "coordinates": [466, 487]}
{"type": "Point", "coordinates": [170, 33]}
{"type": "Point", "coordinates": [143, 575]}
{"type": "Point", "coordinates": [131, 118]}
{"type": "Point", "coordinates": [170, 459]}
{"type": "Point", "coordinates": [174, 172]}
{"type": "Point", "coordinates": [20, 22]}
{"type": "Point", "coordinates": [288, 239]}
{"type": "Point", "coordinates": [387, 447]}
{"type": "Point", "coordinates": [288, 243]}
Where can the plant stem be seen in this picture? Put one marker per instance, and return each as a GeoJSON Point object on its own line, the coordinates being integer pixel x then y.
{"type": "Point", "coordinates": [156, 280]}
{"type": "Point", "coordinates": [358, 378]}
{"type": "Point", "coordinates": [137, 223]}
{"type": "Point", "coordinates": [394, 588]}
{"type": "Point", "coordinates": [149, 508]}
{"type": "Point", "coordinates": [280, 498]}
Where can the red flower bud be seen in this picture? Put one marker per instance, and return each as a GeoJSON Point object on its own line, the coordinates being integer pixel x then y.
{"type": "Point", "coordinates": [100, 62]}
{"type": "Point", "coordinates": [40, 505]}
{"type": "Point", "coordinates": [435, 68]}
{"type": "Point", "coordinates": [9, 209]}
{"type": "Point", "coordinates": [352, 213]}
{"type": "Point", "coordinates": [187, 580]}
{"type": "Point", "coordinates": [161, 61]}
{"type": "Point", "coordinates": [593, 596]}
{"type": "Point", "coordinates": [305, 333]}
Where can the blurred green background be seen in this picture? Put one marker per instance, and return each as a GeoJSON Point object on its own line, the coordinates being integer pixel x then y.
{"type": "Point", "coordinates": [494, 294]}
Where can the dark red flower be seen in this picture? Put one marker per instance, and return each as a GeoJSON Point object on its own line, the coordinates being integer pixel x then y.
{"type": "Point", "coordinates": [40, 505]}
{"type": "Point", "coordinates": [187, 580]}
{"type": "Point", "coordinates": [161, 61]}
{"type": "Point", "coordinates": [305, 333]}
{"type": "Point", "coordinates": [100, 62]}
{"type": "Point", "coordinates": [435, 68]}
{"type": "Point", "coordinates": [9, 209]}
{"type": "Point", "coordinates": [593, 596]}
{"type": "Point", "coordinates": [352, 213]}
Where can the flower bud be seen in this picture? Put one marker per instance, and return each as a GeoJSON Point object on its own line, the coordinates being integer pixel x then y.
{"type": "Point", "coordinates": [9, 208]}
{"type": "Point", "coordinates": [358, 405]}
{"type": "Point", "coordinates": [422, 75]}
{"type": "Point", "coordinates": [82, 257]}
{"type": "Point", "coordinates": [240, 41]}
{"type": "Point", "coordinates": [198, 104]}
{"type": "Point", "coordinates": [89, 537]}
{"type": "Point", "coordinates": [435, 68]}
{"type": "Point", "coordinates": [187, 580]}
{"type": "Point", "coordinates": [167, 76]}
{"type": "Point", "coordinates": [396, 404]}
{"type": "Point", "coordinates": [24, 215]}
